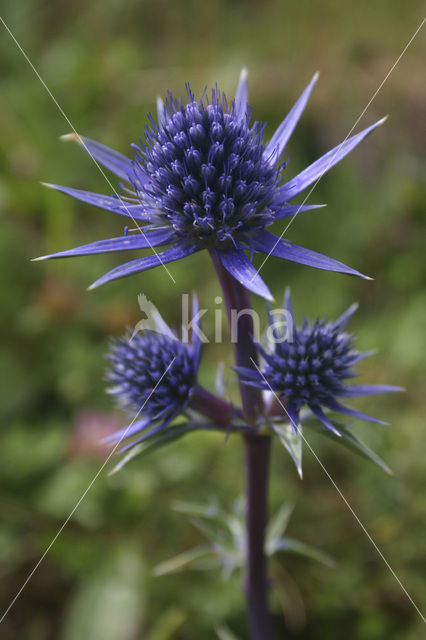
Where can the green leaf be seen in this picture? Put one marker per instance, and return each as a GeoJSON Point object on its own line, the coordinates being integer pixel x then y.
{"type": "Point", "coordinates": [234, 522]}
{"type": "Point", "coordinates": [277, 526]}
{"type": "Point", "coordinates": [292, 442]}
{"type": "Point", "coordinates": [196, 510]}
{"type": "Point", "coordinates": [182, 560]}
{"type": "Point", "coordinates": [225, 532]}
{"type": "Point", "coordinates": [350, 440]}
{"type": "Point", "coordinates": [214, 534]}
{"type": "Point", "coordinates": [303, 549]}
{"type": "Point", "coordinates": [156, 442]}
{"type": "Point", "coordinates": [223, 633]}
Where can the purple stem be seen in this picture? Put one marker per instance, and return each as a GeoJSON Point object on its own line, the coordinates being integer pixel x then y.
{"type": "Point", "coordinates": [257, 454]}
{"type": "Point", "coordinates": [237, 300]}
{"type": "Point", "coordinates": [258, 449]}
{"type": "Point", "coordinates": [215, 408]}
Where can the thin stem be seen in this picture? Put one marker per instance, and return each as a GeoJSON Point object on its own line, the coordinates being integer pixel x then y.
{"type": "Point", "coordinates": [257, 450]}
{"type": "Point", "coordinates": [238, 308]}
{"type": "Point", "coordinates": [212, 406]}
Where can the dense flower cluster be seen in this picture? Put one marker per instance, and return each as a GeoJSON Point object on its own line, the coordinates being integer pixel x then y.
{"type": "Point", "coordinates": [205, 170]}
{"type": "Point", "coordinates": [152, 376]}
{"type": "Point", "coordinates": [205, 179]}
{"type": "Point", "coordinates": [311, 369]}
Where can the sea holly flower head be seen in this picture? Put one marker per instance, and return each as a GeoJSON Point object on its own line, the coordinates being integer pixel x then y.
{"type": "Point", "coordinates": [312, 369]}
{"type": "Point", "coordinates": [205, 171]}
{"type": "Point", "coordinates": [204, 178]}
{"type": "Point", "coordinates": [152, 375]}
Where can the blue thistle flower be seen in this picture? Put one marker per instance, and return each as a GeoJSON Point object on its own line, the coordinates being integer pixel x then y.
{"type": "Point", "coordinates": [311, 369]}
{"type": "Point", "coordinates": [204, 179]}
{"type": "Point", "coordinates": [153, 376]}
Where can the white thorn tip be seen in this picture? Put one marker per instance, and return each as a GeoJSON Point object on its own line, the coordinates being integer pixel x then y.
{"type": "Point", "coordinates": [383, 120]}
{"type": "Point", "coordinates": [39, 259]}
{"type": "Point", "coordinates": [74, 137]}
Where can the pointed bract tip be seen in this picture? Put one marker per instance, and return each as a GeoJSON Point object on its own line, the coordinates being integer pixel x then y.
{"type": "Point", "coordinates": [244, 73]}
{"type": "Point", "coordinates": [382, 121]}
{"type": "Point", "coordinates": [48, 185]}
{"type": "Point", "coordinates": [74, 137]}
{"type": "Point", "coordinates": [39, 259]}
{"type": "Point", "coordinates": [315, 76]}
{"type": "Point", "coordinates": [287, 295]}
{"type": "Point", "coordinates": [371, 352]}
{"type": "Point", "coordinates": [92, 286]}
{"type": "Point", "coordinates": [368, 278]}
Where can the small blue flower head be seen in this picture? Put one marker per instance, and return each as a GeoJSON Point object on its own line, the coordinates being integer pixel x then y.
{"type": "Point", "coordinates": [152, 376]}
{"type": "Point", "coordinates": [204, 178]}
{"type": "Point", "coordinates": [312, 369]}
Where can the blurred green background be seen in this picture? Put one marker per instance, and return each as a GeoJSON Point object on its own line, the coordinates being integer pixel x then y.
{"type": "Point", "coordinates": [105, 62]}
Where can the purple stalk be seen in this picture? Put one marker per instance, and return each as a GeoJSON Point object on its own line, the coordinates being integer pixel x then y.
{"type": "Point", "coordinates": [258, 450]}
{"type": "Point", "coordinates": [213, 407]}
{"type": "Point", "coordinates": [257, 454]}
{"type": "Point", "coordinates": [237, 299]}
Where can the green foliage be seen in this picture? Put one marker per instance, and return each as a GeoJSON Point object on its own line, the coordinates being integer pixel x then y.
{"type": "Point", "coordinates": [295, 441]}
{"type": "Point", "coordinates": [225, 532]}
{"type": "Point", "coordinates": [350, 440]}
{"type": "Point", "coordinates": [292, 441]}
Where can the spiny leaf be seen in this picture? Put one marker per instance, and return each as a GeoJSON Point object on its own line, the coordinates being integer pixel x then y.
{"type": "Point", "coordinates": [277, 526]}
{"type": "Point", "coordinates": [224, 633]}
{"type": "Point", "coordinates": [214, 534]}
{"type": "Point", "coordinates": [196, 510]}
{"type": "Point", "coordinates": [303, 549]}
{"type": "Point", "coordinates": [350, 440]}
{"type": "Point", "coordinates": [156, 442]}
{"type": "Point", "coordinates": [292, 442]}
{"type": "Point", "coordinates": [182, 560]}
